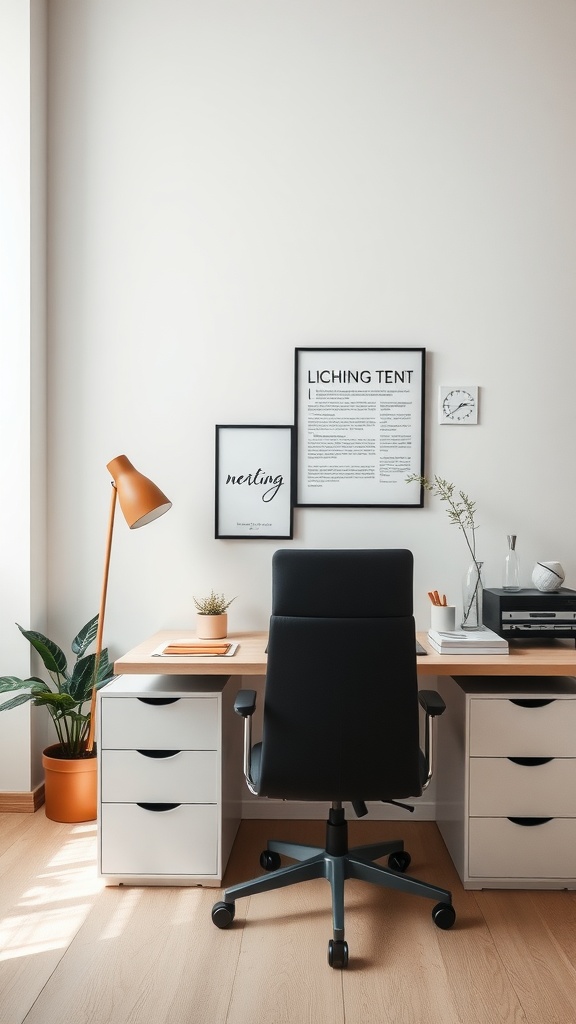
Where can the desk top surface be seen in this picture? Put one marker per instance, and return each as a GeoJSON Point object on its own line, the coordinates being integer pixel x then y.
{"type": "Point", "coordinates": [526, 659]}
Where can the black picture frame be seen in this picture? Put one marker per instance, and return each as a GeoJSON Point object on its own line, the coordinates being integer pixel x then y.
{"type": "Point", "coordinates": [359, 419]}
{"type": "Point", "coordinates": [254, 482]}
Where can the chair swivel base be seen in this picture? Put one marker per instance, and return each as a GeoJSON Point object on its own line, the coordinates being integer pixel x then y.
{"type": "Point", "coordinates": [336, 863]}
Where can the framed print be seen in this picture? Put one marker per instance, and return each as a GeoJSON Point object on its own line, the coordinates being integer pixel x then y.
{"type": "Point", "coordinates": [359, 426]}
{"type": "Point", "coordinates": [254, 482]}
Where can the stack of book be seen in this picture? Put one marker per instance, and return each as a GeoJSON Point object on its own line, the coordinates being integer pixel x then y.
{"type": "Point", "coordinates": [467, 641]}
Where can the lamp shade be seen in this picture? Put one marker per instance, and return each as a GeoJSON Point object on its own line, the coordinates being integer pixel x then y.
{"type": "Point", "coordinates": [141, 500]}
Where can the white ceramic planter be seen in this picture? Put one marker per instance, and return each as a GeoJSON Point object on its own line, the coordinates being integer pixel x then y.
{"type": "Point", "coordinates": [211, 627]}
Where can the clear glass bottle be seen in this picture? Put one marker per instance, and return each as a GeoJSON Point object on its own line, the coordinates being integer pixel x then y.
{"type": "Point", "coordinates": [511, 575]}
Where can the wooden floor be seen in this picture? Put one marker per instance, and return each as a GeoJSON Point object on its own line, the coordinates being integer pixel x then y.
{"type": "Point", "coordinates": [75, 952]}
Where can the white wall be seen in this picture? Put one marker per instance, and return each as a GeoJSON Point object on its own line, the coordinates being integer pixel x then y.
{"type": "Point", "coordinates": [229, 181]}
{"type": "Point", "coordinates": [22, 369]}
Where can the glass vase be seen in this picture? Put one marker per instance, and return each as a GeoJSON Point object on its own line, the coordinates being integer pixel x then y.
{"type": "Point", "coordinates": [472, 591]}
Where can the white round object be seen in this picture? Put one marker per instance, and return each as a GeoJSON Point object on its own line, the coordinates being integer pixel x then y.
{"type": "Point", "coordinates": [548, 576]}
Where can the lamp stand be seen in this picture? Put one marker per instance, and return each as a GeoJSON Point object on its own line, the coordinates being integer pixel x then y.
{"type": "Point", "coordinates": [101, 613]}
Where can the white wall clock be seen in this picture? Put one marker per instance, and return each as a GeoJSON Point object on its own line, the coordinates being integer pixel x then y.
{"type": "Point", "coordinates": [458, 404]}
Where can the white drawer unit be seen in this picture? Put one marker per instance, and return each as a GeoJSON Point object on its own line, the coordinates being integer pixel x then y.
{"type": "Point", "coordinates": [139, 835]}
{"type": "Point", "coordinates": [169, 779]}
{"type": "Point", "coordinates": [506, 780]}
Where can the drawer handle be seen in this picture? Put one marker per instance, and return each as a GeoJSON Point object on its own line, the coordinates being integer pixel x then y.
{"type": "Point", "coordinates": [158, 753]}
{"type": "Point", "coordinates": [529, 822]}
{"type": "Point", "coordinates": [530, 762]}
{"type": "Point", "coordinates": [158, 700]}
{"type": "Point", "coordinates": [532, 702]}
{"type": "Point", "coordinates": [158, 807]}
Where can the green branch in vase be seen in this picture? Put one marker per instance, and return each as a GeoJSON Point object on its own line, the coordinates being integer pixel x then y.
{"type": "Point", "coordinates": [461, 512]}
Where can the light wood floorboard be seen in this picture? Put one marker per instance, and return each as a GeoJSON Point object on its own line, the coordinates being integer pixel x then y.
{"type": "Point", "coordinates": [73, 951]}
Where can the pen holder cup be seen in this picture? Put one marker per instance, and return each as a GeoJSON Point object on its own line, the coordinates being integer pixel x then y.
{"type": "Point", "coordinates": [443, 617]}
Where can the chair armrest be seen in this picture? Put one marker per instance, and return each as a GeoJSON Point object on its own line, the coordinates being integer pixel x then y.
{"type": "Point", "coordinates": [434, 706]}
{"type": "Point", "coordinates": [245, 703]}
{"type": "Point", "coordinates": [432, 702]}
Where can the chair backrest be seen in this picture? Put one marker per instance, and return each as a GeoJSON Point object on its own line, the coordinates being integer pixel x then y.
{"type": "Point", "coordinates": [341, 717]}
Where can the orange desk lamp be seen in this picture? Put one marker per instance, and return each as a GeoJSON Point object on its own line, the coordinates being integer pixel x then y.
{"type": "Point", "coordinates": [141, 502]}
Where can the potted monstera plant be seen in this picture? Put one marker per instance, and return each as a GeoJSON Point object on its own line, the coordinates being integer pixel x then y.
{"type": "Point", "coordinates": [70, 771]}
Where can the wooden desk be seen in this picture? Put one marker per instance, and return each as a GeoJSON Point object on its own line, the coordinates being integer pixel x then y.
{"type": "Point", "coordinates": [558, 659]}
{"type": "Point", "coordinates": [514, 708]}
{"type": "Point", "coordinates": [250, 659]}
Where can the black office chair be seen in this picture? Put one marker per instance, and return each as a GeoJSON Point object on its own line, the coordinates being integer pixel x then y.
{"type": "Point", "coordinates": [341, 720]}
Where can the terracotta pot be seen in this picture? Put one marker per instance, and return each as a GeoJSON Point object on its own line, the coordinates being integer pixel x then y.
{"type": "Point", "coordinates": [211, 627]}
{"type": "Point", "coordinates": [71, 786]}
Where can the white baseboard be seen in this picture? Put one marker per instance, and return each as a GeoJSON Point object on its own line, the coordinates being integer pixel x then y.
{"type": "Point", "coordinates": [424, 810]}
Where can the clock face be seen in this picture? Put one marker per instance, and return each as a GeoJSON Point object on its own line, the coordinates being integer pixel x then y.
{"type": "Point", "coordinates": [459, 404]}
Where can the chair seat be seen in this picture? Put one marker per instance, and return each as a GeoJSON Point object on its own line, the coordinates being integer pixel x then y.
{"type": "Point", "coordinates": [256, 762]}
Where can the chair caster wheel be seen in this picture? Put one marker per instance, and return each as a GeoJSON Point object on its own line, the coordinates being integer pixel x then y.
{"type": "Point", "coordinates": [223, 914]}
{"type": "Point", "coordinates": [444, 915]}
{"type": "Point", "coordinates": [269, 860]}
{"type": "Point", "coordinates": [399, 861]}
{"type": "Point", "coordinates": [338, 953]}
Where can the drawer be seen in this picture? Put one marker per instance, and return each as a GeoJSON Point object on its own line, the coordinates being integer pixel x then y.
{"type": "Point", "coordinates": [499, 848]}
{"type": "Point", "coordinates": [185, 723]}
{"type": "Point", "coordinates": [500, 787]}
{"type": "Point", "coordinates": [186, 776]}
{"type": "Point", "coordinates": [179, 841]}
{"type": "Point", "coordinates": [501, 728]}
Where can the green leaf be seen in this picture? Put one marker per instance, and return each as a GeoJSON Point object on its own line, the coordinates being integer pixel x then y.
{"type": "Point", "coordinates": [105, 669]}
{"type": "Point", "coordinates": [64, 695]}
{"type": "Point", "coordinates": [59, 703]}
{"type": "Point", "coordinates": [39, 687]}
{"type": "Point", "coordinates": [85, 637]}
{"type": "Point", "coordinates": [80, 682]}
{"type": "Point", "coordinates": [20, 699]}
{"type": "Point", "coordinates": [75, 716]}
{"type": "Point", "coordinates": [8, 683]}
{"type": "Point", "coordinates": [53, 657]}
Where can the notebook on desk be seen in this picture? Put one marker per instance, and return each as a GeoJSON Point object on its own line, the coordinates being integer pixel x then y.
{"type": "Point", "coordinates": [192, 648]}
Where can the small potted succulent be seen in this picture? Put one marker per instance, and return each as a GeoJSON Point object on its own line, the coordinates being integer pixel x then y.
{"type": "Point", "coordinates": [70, 772]}
{"type": "Point", "coordinates": [212, 620]}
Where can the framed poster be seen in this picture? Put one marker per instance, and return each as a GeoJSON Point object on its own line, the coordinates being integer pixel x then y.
{"type": "Point", "coordinates": [254, 481]}
{"type": "Point", "coordinates": [360, 426]}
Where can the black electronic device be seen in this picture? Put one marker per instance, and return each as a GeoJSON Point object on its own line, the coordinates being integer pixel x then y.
{"type": "Point", "coordinates": [531, 614]}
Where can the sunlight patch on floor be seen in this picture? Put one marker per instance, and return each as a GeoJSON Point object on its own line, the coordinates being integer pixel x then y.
{"type": "Point", "coordinates": [188, 903]}
{"type": "Point", "coordinates": [120, 917]}
{"type": "Point", "coordinates": [53, 908]}
{"type": "Point", "coordinates": [27, 934]}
